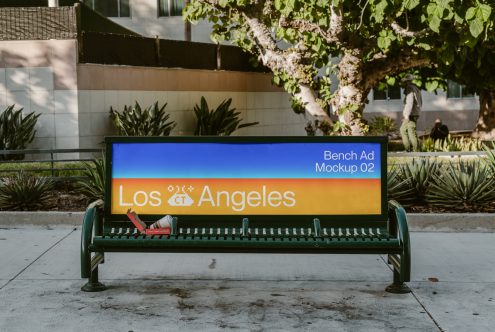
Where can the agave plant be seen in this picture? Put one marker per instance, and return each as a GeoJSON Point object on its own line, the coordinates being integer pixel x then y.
{"type": "Point", "coordinates": [465, 185]}
{"type": "Point", "coordinates": [490, 157]}
{"type": "Point", "coordinates": [421, 173]}
{"type": "Point", "coordinates": [16, 131]}
{"type": "Point", "coordinates": [222, 121]}
{"type": "Point", "coordinates": [398, 188]}
{"type": "Point", "coordinates": [450, 144]}
{"type": "Point", "coordinates": [134, 121]}
{"type": "Point", "coordinates": [93, 186]}
{"type": "Point", "coordinates": [25, 192]}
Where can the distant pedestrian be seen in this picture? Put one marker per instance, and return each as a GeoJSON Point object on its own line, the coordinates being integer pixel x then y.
{"type": "Point", "coordinates": [439, 131]}
{"type": "Point", "coordinates": [412, 108]}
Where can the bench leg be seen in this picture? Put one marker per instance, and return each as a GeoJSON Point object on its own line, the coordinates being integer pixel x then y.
{"type": "Point", "coordinates": [93, 285]}
{"type": "Point", "coordinates": [398, 286]}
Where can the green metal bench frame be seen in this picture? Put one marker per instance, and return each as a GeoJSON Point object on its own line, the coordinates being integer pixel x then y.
{"type": "Point", "coordinates": [386, 234]}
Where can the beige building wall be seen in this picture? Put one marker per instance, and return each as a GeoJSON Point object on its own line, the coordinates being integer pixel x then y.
{"type": "Point", "coordinates": [41, 77]}
{"type": "Point", "coordinates": [103, 86]}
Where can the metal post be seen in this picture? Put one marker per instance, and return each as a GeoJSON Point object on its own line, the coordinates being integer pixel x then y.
{"type": "Point", "coordinates": [52, 3]}
{"type": "Point", "coordinates": [52, 164]}
{"type": "Point", "coordinates": [187, 26]}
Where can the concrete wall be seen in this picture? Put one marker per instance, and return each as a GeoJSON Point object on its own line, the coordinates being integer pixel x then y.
{"type": "Point", "coordinates": [103, 86]}
{"type": "Point", "coordinates": [41, 77]}
{"type": "Point", "coordinates": [459, 114]}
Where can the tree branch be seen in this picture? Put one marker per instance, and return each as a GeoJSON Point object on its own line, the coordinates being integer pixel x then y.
{"type": "Point", "coordinates": [288, 61]}
{"type": "Point", "coordinates": [376, 71]}
{"type": "Point", "coordinates": [306, 26]}
{"type": "Point", "coordinates": [407, 33]}
{"type": "Point", "coordinates": [274, 59]}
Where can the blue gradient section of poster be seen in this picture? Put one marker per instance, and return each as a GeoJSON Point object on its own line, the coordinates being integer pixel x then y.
{"type": "Point", "coordinates": [246, 160]}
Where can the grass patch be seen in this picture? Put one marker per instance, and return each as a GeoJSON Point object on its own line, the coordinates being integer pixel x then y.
{"type": "Point", "coordinates": [60, 169]}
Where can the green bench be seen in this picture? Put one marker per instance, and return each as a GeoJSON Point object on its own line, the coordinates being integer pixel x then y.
{"type": "Point", "coordinates": [291, 195]}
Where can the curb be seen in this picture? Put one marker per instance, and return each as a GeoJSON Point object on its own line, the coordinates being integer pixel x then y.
{"type": "Point", "coordinates": [418, 222]}
{"type": "Point", "coordinates": [40, 218]}
{"type": "Point", "coordinates": [451, 222]}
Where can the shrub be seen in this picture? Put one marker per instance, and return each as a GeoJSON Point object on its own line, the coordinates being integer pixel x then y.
{"type": "Point", "coordinates": [382, 126]}
{"type": "Point", "coordinates": [420, 173]}
{"type": "Point", "coordinates": [490, 157]}
{"type": "Point", "coordinates": [222, 121]}
{"type": "Point", "coordinates": [94, 185]}
{"type": "Point", "coordinates": [25, 192]}
{"type": "Point", "coordinates": [465, 185]}
{"type": "Point", "coordinates": [134, 121]}
{"type": "Point", "coordinates": [16, 131]}
{"type": "Point", "coordinates": [450, 144]}
{"type": "Point", "coordinates": [398, 188]}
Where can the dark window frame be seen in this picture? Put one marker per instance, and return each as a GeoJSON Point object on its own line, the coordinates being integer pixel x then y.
{"type": "Point", "coordinates": [171, 10]}
{"type": "Point", "coordinates": [387, 93]}
{"type": "Point", "coordinates": [461, 94]}
{"type": "Point", "coordinates": [120, 7]}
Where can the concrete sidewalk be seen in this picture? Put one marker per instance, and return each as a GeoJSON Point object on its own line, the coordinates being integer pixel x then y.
{"type": "Point", "coordinates": [453, 284]}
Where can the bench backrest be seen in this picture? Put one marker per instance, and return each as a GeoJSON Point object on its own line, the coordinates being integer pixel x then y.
{"type": "Point", "coordinates": [274, 181]}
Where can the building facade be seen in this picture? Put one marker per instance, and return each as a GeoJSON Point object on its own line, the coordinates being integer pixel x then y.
{"type": "Point", "coordinates": [74, 97]}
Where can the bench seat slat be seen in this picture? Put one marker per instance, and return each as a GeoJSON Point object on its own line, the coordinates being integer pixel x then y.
{"type": "Point", "coordinates": [213, 243]}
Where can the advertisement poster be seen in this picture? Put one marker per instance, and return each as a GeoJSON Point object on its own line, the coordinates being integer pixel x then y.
{"type": "Point", "coordinates": [225, 178]}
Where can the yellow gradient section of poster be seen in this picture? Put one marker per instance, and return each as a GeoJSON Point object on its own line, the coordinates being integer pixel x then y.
{"type": "Point", "coordinates": [247, 196]}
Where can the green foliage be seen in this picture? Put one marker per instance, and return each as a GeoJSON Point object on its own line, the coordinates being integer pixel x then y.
{"type": "Point", "coordinates": [93, 186]}
{"type": "Point", "coordinates": [297, 106]}
{"type": "Point", "coordinates": [452, 144]}
{"type": "Point", "coordinates": [221, 121]}
{"type": "Point", "coordinates": [399, 188]}
{"type": "Point", "coordinates": [489, 160]}
{"type": "Point", "coordinates": [382, 125]}
{"type": "Point", "coordinates": [65, 169]}
{"type": "Point", "coordinates": [16, 131]}
{"type": "Point", "coordinates": [305, 42]}
{"type": "Point", "coordinates": [134, 121]}
{"type": "Point", "coordinates": [420, 174]}
{"type": "Point", "coordinates": [464, 185]}
{"type": "Point", "coordinates": [24, 192]}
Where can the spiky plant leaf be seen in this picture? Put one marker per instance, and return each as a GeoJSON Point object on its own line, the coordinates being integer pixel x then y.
{"type": "Point", "coordinates": [398, 188]}
{"type": "Point", "coordinates": [489, 160]}
{"type": "Point", "coordinates": [222, 121]}
{"type": "Point", "coordinates": [465, 185]}
{"type": "Point", "coordinates": [450, 144]}
{"type": "Point", "coordinates": [420, 172]}
{"type": "Point", "coordinates": [93, 186]}
{"type": "Point", "coordinates": [25, 192]}
{"type": "Point", "coordinates": [16, 131]}
{"type": "Point", "coordinates": [135, 121]}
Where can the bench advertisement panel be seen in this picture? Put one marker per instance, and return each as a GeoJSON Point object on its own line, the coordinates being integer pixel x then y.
{"type": "Point", "coordinates": [243, 176]}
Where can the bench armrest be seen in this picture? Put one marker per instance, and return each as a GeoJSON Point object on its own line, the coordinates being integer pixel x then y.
{"type": "Point", "coordinates": [90, 224]}
{"type": "Point", "coordinates": [397, 226]}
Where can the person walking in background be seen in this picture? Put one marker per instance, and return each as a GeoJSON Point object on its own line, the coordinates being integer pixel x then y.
{"type": "Point", "coordinates": [412, 107]}
{"type": "Point", "coordinates": [439, 131]}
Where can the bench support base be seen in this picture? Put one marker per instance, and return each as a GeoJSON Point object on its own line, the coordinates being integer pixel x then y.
{"type": "Point", "coordinates": [401, 288]}
{"type": "Point", "coordinates": [93, 285]}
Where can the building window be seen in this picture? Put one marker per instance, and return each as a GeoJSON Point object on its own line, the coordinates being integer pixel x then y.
{"type": "Point", "coordinates": [110, 8]}
{"type": "Point", "coordinates": [389, 93]}
{"type": "Point", "coordinates": [456, 90]}
{"type": "Point", "coordinates": [170, 7]}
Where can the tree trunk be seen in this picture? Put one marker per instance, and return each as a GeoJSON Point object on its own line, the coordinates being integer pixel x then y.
{"type": "Point", "coordinates": [485, 128]}
{"type": "Point", "coordinates": [349, 100]}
